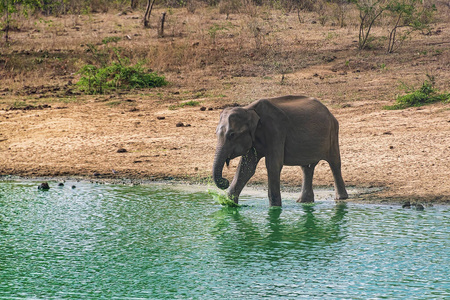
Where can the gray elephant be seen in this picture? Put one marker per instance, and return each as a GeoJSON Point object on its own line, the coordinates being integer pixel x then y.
{"type": "Point", "coordinates": [289, 130]}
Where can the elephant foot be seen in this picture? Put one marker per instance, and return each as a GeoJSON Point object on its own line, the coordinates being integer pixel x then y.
{"type": "Point", "coordinates": [341, 196]}
{"type": "Point", "coordinates": [307, 198]}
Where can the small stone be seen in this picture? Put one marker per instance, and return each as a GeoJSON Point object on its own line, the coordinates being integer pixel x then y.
{"type": "Point", "coordinates": [180, 124]}
{"type": "Point", "coordinates": [202, 108]}
{"type": "Point", "coordinates": [44, 186]}
{"type": "Point", "coordinates": [407, 204]}
{"type": "Point", "coordinates": [419, 207]}
{"type": "Point", "coordinates": [60, 184]}
{"type": "Point", "coordinates": [73, 187]}
{"type": "Point", "coordinates": [160, 118]}
{"type": "Point", "coordinates": [121, 150]}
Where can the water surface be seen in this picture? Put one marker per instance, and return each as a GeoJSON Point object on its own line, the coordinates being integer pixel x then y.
{"type": "Point", "coordinates": [160, 242]}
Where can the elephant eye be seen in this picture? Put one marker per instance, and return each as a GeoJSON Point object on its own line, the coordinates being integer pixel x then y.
{"type": "Point", "coordinates": [231, 135]}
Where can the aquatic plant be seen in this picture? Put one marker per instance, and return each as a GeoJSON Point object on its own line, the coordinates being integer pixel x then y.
{"type": "Point", "coordinates": [222, 199]}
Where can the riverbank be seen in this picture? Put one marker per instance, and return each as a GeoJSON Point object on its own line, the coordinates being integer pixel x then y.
{"type": "Point", "coordinates": [48, 129]}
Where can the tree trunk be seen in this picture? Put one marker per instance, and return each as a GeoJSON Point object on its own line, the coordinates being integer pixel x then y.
{"type": "Point", "coordinates": [148, 12]}
{"type": "Point", "coordinates": [161, 25]}
{"type": "Point", "coordinates": [7, 23]}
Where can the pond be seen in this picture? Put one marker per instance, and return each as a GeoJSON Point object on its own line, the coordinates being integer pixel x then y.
{"type": "Point", "coordinates": [97, 241]}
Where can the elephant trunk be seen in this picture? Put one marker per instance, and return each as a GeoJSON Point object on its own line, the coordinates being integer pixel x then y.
{"type": "Point", "coordinates": [219, 160]}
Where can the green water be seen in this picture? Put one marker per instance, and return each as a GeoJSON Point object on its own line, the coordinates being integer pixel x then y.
{"type": "Point", "coordinates": [158, 242]}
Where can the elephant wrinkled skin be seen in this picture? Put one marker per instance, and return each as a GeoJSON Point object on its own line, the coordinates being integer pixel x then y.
{"type": "Point", "coordinates": [289, 130]}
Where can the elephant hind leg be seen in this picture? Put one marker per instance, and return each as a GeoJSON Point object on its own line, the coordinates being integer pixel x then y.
{"type": "Point", "coordinates": [339, 185]}
{"type": "Point", "coordinates": [307, 194]}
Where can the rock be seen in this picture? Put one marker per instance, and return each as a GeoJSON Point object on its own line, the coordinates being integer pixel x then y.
{"type": "Point", "coordinates": [44, 186]}
{"type": "Point", "coordinates": [202, 108]}
{"type": "Point", "coordinates": [73, 187]}
{"type": "Point", "coordinates": [180, 124]}
{"type": "Point", "coordinates": [60, 184]}
{"type": "Point", "coordinates": [419, 207]}
{"type": "Point", "coordinates": [121, 150]}
{"type": "Point", "coordinates": [407, 204]}
{"type": "Point", "coordinates": [160, 118]}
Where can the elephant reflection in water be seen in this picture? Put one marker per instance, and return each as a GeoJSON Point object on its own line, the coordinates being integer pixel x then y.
{"type": "Point", "coordinates": [239, 234]}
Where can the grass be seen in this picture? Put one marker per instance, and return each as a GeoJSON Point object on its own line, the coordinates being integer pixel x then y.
{"type": "Point", "coordinates": [426, 94]}
{"type": "Point", "coordinates": [191, 103]}
{"type": "Point", "coordinates": [118, 75]}
{"type": "Point", "coordinates": [53, 50]}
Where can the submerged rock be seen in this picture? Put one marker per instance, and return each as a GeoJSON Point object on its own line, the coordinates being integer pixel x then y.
{"type": "Point", "coordinates": [419, 207]}
{"type": "Point", "coordinates": [44, 186]}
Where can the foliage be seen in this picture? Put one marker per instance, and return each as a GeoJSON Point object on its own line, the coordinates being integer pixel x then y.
{"type": "Point", "coordinates": [9, 7]}
{"type": "Point", "coordinates": [426, 94]}
{"type": "Point", "coordinates": [118, 75]}
{"type": "Point", "coordinates": [408, 14]}
{"type": "Point", "coordinates": [369, 12]}
{"type": "Point", "coordinates": [212, 31]}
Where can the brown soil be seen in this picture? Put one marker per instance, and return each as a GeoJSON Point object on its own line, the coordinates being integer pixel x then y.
{"type": "Point", "coordinates": [135, 135]}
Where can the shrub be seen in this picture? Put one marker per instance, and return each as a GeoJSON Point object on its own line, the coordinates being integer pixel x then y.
{"type": "Point", "coordinates": [96, 80]}
{"type": "Point", "coordinates": [426, 94]}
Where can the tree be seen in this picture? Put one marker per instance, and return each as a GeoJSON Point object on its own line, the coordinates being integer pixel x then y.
{"type": "Point", "coordinates": [9, 7]}
{"type": "Point", "coordinates": [148, 12]}
{"type": "Point", "coordinates": [369, 12]}
{"type": "Point", "coordinates": [407, 14]}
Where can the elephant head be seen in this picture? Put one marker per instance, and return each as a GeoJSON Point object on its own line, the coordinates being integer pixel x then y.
{"type": "Point", "coordinates": [235, 137]}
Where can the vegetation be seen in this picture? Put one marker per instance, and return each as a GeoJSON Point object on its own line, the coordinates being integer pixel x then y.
{"type": "Point", "coordinates": [118, 75]}
{"type": "Point", "coordinates": [426, 94]}
{"type": "Point", "coordinates": [183, 104]}
{"type": "Point", "coordinates": [410, 15]}
{"type": "Point", "coordinates": [260, 39]}
{"type": "Point", "coordinates": [222, 199]}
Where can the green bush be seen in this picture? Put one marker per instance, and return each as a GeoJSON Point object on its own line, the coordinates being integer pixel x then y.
{"type": "Point", "coordinates": [426, 94]}
{"type": "Point", "coordinates": [96, 80]}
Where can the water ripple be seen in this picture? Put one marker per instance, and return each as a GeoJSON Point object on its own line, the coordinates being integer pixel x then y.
{"type": "Point", "coordinates": [156, 242]}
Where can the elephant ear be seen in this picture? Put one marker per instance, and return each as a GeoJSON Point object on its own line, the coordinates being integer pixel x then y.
{"type": "Point", "coordinates": [253, 122]}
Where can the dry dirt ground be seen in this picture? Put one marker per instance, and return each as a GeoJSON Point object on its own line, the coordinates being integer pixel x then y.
{"type": "Point", "coordinates": [134, 135]}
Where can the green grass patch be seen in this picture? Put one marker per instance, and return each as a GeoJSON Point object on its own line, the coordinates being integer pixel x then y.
{"type": "Point", "coordinates": [426, 94]}
{"type": "Point", "coordinates": [183, 104]}
{"type": "Point", "coordinates": [118, 75]}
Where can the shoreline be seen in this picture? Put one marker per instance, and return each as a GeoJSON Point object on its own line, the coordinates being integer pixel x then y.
{"type": "Point", "coordinates": [357, 194]}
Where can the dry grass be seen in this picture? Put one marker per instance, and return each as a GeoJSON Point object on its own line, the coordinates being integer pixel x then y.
{"type": "Point", "coordinates": [265, 43]}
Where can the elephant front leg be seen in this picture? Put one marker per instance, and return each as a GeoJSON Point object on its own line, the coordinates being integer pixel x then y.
{"type": "Point", "coordinates": [245, 171]}
{"type": "Point", "coordinates": [273, 173]}
{"type": "Point", "coordinates": [307, 195]}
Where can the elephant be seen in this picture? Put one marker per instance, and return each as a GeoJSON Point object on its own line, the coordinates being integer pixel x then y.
{"type": "Point", "coordinates": [291, 130]}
